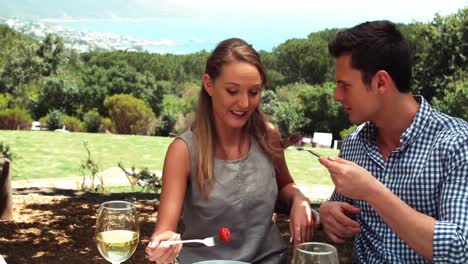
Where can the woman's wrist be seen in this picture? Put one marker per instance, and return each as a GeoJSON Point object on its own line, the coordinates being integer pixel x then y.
{"type": "Point", "coordinates": [298, 196]}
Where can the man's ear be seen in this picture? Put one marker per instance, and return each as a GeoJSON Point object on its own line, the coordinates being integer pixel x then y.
{"type": "Point", "coordinates": [207, 84]}
{"type": "Point", "coordinates": [382, 81]}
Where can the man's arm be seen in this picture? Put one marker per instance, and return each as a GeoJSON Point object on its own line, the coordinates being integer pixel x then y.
{"type": "Point", "coordinates": [451, 228]}
{"type": "Point", "coordinates": [413, 227]}
{"type": "Point", "coordinates": [443, 240]}
{"type": "Point", "coordinates": [335, 216]}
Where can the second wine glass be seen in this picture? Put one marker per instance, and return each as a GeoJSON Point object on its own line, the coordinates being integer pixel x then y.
{"type": "Point", "coordinates": [117, 230]}
{"type": "Point", "coordinates": [315, 253]}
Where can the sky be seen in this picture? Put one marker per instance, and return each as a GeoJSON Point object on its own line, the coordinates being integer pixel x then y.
{"type": "Point", "coordinates": [184, 26]}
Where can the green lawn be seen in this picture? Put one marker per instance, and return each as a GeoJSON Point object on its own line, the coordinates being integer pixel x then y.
{"type": "Point", "coordinates": [45, 154]}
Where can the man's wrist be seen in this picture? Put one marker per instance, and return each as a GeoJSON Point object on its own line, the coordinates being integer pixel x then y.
{"type": "Point", "coordinates": [373, 190]}
{"type": "Point", "coordinates": [316, 216]}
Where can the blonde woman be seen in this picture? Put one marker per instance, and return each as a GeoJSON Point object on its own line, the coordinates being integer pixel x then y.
{"type": "Point", "coordinates": [228, 170]}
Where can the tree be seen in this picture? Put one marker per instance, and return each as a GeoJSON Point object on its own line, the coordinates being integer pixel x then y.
{"type": "Point", "coordinates": [288, 118]}
{"type": "Point", "coordinates": [269, 102]}
{"type": "Point", "coordinates": [51, 51]}
{"type": "Point", "coordinates": [22, 66]}
{"type": "Point", "coordinates": [304, 60]}
{"type": "Point", "coordinates": [445, 50]}
{"type": "Point", "coordinates": [172, 108]}
{"type": "Point", "coordinates": [320, 111]}
{"type": "Point", "coordinates": [455, 100]}
{"type": "Point", "coordinates": [58, 93]}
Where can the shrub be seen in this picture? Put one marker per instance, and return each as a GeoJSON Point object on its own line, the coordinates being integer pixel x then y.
{"type": "Point", "coordinates": [55, 119]}
{"type": "Point", "coordinates": [183, 123]}
{"type": "Point", "coordinates": [4, 101]}
{"type": "Point", "coordinates": [43, 120]}
{"type": "Point", "coordinates": [165, 125]}
{"type": "Point", "coordinates": [92, 121]}
{"type": "Point", "coordinates": [72, 123]}
{"type": "Point", "coordinates": [90, 169]}
{"type": "Point", "coordinates": [130, 115]}
{"type": "Point", "coordinates": [6, 152]}
{"type": "Point", "coordinates": [15, 119]}
{"type": "Point", "coordinates": [143, 177]}
{"type": "Point", "coordinates": [107, 125]}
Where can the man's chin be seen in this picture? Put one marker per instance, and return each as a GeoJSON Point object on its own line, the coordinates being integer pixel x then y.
{"type": "Point", "coordinates": [355, 120]}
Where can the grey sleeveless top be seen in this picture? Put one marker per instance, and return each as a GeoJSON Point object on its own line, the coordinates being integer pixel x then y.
{"type": "Point", "coordinates": [242, 199]}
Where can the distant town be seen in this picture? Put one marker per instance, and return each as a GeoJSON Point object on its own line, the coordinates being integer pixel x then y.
{"type": "Point", "coordinates": [82, 41]}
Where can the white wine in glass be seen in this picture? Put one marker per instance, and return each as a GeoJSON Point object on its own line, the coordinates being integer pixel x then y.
{"type": "Point", "coordinates": [117, 230]}
{"type": "Point", "coordinates": [315, 253]}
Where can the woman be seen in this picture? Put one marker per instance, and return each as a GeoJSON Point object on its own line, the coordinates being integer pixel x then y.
{"type": "Point", "coordinates": [228, 170]}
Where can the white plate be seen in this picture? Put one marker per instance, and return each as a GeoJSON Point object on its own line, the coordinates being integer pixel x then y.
{"type": "Point", "coordinates": [220, 262]}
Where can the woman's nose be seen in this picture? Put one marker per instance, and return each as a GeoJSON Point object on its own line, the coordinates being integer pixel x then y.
{"type": "Point", "coordinates": [244, 101]}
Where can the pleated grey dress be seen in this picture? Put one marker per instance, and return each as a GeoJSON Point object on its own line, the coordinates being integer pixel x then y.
{"type": "Point", "coordinates": [242, 199]}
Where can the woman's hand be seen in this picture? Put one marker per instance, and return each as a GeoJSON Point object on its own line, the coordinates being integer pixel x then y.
{"type": "Point", "coordinates": [163, 254]}
{"type": "Point", "coordinates": [301, 220]}
{"type": "Point", "coordinates": [291, 140]}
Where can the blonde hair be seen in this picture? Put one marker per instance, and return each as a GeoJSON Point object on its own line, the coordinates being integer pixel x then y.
{"type": "Point", "coordinates": [203, 127]}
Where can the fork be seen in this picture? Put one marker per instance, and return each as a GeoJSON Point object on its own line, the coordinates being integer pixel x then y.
{"type": "Point", "coordinates": [310, 151]}
{"type": "Point", "coordinates": [209, 241]}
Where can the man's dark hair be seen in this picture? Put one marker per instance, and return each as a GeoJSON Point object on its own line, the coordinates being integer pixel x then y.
{"type": "Point", "coordinates": [375, 46]}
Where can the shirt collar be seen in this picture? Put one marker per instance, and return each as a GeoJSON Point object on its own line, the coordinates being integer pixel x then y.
{"type": "Point", "coordinates": [369, 130]}
{"type": "Point", "coordinates": [419, 122]}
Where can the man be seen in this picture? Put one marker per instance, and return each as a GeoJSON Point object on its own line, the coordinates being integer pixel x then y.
{"type": "Point", "coordinates": [401, 182]}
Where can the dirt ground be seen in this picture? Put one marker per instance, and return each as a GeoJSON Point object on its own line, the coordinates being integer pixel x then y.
{"type": "Point", "coordinates": [57, 226]}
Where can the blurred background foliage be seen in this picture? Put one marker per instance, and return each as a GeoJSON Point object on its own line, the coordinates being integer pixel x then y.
{"type": "Point", "coordinates": [90, 91]}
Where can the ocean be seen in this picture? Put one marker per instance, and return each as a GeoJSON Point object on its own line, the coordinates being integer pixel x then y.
{"type": "Point", "coordinates": [181, 36]}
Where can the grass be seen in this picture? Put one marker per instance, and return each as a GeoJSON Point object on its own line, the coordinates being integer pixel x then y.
{"type": "Point", "coordinates": [46, 154]}
{"type": "Point", "coordinates": [124, 189]}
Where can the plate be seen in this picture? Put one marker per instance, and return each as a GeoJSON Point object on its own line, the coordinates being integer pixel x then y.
{"type": "Point", "coordinates": [220, 262]}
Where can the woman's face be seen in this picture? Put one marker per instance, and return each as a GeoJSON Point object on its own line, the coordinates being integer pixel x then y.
{"type": "Point", "coordinates": [235, 93]}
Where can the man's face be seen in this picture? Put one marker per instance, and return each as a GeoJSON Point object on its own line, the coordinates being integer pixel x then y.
{"type": "Point", "coordinates": [358, 99]}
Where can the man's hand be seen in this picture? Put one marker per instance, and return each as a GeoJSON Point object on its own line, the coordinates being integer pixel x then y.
{"type": "Point", "coordinates": [336, 223]}
{"type": "Point", "coordinates": [350, 179]}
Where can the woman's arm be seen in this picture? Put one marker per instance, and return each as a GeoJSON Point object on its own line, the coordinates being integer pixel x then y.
{"type": "Point", "coordinates": [301, 220]}
{"type": "Point", "coordinates": [176, 172]}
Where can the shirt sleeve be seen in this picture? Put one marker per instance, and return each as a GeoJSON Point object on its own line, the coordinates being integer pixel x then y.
{"type": "Point", "coordinates": [338, 197]}
{"type": "Point", "coordinates": [450, 237]}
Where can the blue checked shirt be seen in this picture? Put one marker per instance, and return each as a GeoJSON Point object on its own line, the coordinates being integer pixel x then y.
{"type": "Point", "coordinates": [429, 172]}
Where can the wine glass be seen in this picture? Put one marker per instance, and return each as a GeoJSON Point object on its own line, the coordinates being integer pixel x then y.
{"type": "Point", "coordinates": [117, 230]}
{"type": "Point", "coordinates": [315, 253]}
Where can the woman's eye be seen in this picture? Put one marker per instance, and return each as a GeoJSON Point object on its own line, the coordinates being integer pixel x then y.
{"type": "Point", "coordinates": [231, 92]}
{"type": "Point", "coordinates": [253, 93]}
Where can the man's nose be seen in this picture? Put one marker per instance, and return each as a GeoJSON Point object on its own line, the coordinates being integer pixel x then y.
{"type": "Point", "coordinates": [338, 94]}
